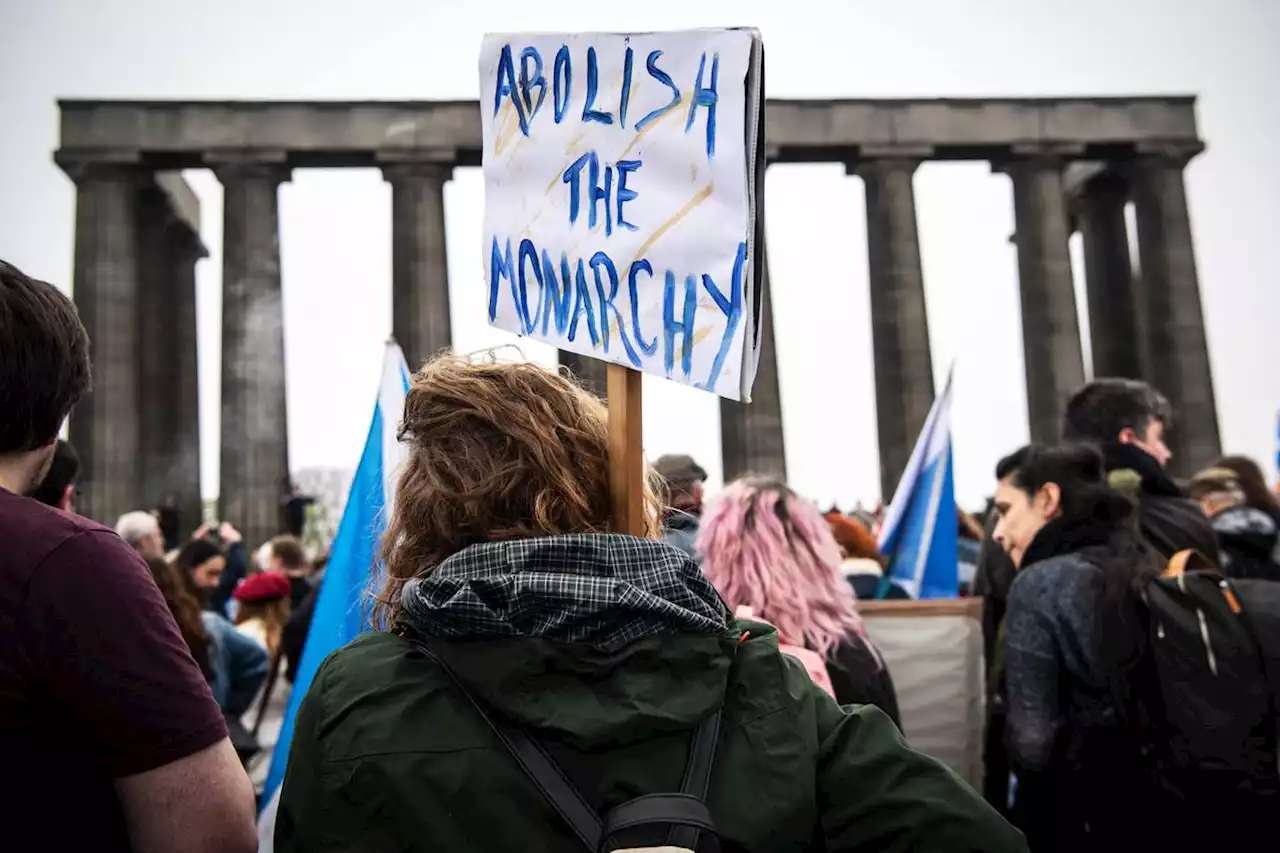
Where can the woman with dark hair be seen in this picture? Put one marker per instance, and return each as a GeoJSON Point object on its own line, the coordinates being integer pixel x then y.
{"type": "Point", "coordinates": [514, 604]}
{"type": "Point", "coordinates": [200, 564]}
{"type": "Point", "coordinates": [1073, 637]}
{"type": "Point", "coordinates": [1253, 483]}
{"type": "Point", "coordinates": [234, 664]}
{"type": "Point", "coordinates": [186, 612]}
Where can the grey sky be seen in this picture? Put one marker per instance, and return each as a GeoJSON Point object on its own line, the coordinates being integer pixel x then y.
{"type": "Point", "coordinates": [335, 226]}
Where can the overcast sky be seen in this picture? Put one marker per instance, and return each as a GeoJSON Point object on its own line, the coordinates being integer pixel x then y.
{"type": "Point", "coordinates": [336, 225]}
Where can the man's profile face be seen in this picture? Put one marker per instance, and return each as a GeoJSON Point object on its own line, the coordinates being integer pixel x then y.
{"type": "Point", "coordinates": [1151, 441]}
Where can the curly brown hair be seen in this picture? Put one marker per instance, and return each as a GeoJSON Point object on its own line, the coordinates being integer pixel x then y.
{"type": "Point", "coordinates": [497, 451]}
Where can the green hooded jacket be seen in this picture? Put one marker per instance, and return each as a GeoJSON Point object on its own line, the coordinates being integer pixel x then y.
{"type": "Point", "coordinates": [388, 754]}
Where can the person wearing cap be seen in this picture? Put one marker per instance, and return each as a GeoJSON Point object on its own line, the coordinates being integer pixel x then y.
{"type": "Point", "coordinates": [263, 608]}
{"type": "Point", "coordinates": [682, 515]}
{"type": "Point", "coordinates": [1247, 536]}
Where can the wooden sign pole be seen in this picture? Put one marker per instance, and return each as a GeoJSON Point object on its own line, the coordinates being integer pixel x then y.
{"type": "Point", "coordinates": [626, 450]}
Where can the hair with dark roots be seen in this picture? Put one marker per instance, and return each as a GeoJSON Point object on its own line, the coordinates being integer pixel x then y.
{"type": "Point", "coordinates": [185, 609]}
{"type": "Point", "coordinates": [1101, 410]}
{"type": "Point", "coordinates": [768, 549]}
{"type": "Point", "coordinates": [496, 451]}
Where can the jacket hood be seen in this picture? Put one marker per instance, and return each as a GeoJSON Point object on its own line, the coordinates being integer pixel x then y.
{"type": "Point", "coordinates": [602, 639]}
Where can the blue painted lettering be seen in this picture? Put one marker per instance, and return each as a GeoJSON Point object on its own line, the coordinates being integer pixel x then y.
{"type": "Point", "coordinates": [600, 261]}
{"type": "Point", "coordinates": [671, 326]}
{"type": "Point", "coordinates": [589, 112]}
{"type": "Point", "coordinates": [500, 267]}
{"type": "Point", "coordinates": [528, 256]}
{"type": "Point", "coordinates": [624, 194]}
{"type": "Point", "coordinates": [705, 98]}
{"type": "Point", "coordinates": [665, 79]}
{"type": "Point", "coordinates": [527, 83]}
{"type": "Point", "coordinates": [732, 308]}
{"type": "Point", "coordinates": [506, 88]}
{"type": "Point", "coordinates": [562, 80]}
{"type": "Point", "coordinates": [633, 286]}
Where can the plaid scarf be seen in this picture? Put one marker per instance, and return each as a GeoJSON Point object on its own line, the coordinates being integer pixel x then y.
{"type": "Point", "coordinates": [606, 590]}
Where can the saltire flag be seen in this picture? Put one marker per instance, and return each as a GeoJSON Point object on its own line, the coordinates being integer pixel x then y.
{"type": "Point", "coordinates": [919, 534]}
{"type": "Point", "coordinates": [342, 604]}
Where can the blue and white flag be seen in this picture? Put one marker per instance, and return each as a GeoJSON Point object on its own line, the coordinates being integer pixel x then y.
{"type": "Point", "coordinates": [919, 534]}
{"type": "Point", "coordinates": [341, 608]}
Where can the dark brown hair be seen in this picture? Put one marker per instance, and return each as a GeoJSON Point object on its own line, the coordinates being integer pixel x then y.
{"type": "Point", "coordinates": [1252, 482]}
{"type": "Point", "coordinates": [289, 551]}
{"type": "Point", "coordinates": [186, 611]}
{"type": "Point", "coordinates": [44, 361]}
{"type": "Point", "coordinates": [497, 451]}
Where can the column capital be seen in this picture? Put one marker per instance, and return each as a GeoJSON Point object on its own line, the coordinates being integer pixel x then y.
{"type": "Point", "coordinates": [882, 165]}
{"type": "Point", "coordinates": [1012, 165]}
{"type": "Point", "coordinates": [1168, 155]}
{"type": "Point", "coordinates": [410, 166]}
{"type": "Point", "coordinates": [233, 165]}
{"type": "Point", "coordinates": [101, 165]}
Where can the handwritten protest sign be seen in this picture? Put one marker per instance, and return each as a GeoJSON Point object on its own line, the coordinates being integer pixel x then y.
{"type": "Point", "coordinates": [621, 189]}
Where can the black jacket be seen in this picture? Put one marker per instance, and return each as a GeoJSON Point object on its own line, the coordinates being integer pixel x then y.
{"type": "Point", "coordinates": [859, 677]}
{"type": "Point", "coordinates": [1247, 539]}
{"type": "Point", "coordinates": [1168, 520]}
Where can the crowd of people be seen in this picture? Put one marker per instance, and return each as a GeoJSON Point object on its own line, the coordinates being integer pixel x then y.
{"type": "Point", "coordinates": [537, 680]}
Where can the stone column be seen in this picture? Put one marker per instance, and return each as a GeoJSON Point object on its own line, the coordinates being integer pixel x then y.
{"type": "Point", "coordinates": [104, 425]}
{"type": "Point", "coordinates": [419, 263]}
{"type": "Point", "coordinates": [591, 372]}
{"type": "Point", "coordinates": [158, 378]}
{"type": "Point", "coordinates": [1178, 351]}
{"type": "Point", "coordinates": [255, 428]}
{"type": "Point", "coordinates": [1113, 326]}
{"type": "Point", "coordinates": [185, 251]}
{"type": "Point", "coordinates": [899, 321]}
{"type": "Point", "coordinates": [1050, 328]}
{"type": "Point", "coordinates": [751, 433]}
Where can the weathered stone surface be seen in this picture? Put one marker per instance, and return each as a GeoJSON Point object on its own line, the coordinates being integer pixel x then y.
{"type": "Point", "coordinates": [360, 133]}
{"type": "Point", "coordinates": [1178, 362]}
{"type": "Point", "coordinates": [899, 321]}
{"type": "Point", "coordinates": [419, 264]}
{"type": "Point", "coordinates": [751, 438]}
{"type": "Point", "coordinates": [104, 425]}
{"type": "Point", "coordinates": [1113, 326]}
{"type": "Point", "coordinates": [1050, 327]}
{"type": "Point", "coordinates": [255, 425]}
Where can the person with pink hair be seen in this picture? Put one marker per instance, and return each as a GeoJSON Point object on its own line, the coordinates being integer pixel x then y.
{"type": "Point", "coordinates": [765, 548]}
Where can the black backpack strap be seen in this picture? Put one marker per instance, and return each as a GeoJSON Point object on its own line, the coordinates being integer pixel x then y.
{"type": "Point", "coordinates": [687, 811]}
{"type": "Point", "coordinates": [534, 761]}
{"type": "Point", "coordinates": [268, 688]}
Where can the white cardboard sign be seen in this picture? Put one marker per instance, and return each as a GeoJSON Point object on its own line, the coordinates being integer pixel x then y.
{"type": "Point", "coordinates": [620, 198]}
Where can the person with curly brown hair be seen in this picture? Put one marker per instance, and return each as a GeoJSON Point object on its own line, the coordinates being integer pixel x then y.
{"type": "Point", "coordinates": [511, 601]}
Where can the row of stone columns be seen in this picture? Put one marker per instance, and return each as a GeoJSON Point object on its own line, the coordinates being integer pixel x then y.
{"type": "Point", "coordinates": [138, 430]}
{"type": "Point", "coordinates": [134, 283]}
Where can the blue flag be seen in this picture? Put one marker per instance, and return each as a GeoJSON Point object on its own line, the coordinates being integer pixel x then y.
{"type": "Point", "coordinates": [342, 605]}
{"type": "Point", "coordinates": [919, 534]}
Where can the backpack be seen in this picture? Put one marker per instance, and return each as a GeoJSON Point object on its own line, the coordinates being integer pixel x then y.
{"type": "Point", "coordinates": [1212, 733]}
{"type": "Point", "coordinates": [680, 821]}
{"type": "Point", "coordinates": [812, 661]}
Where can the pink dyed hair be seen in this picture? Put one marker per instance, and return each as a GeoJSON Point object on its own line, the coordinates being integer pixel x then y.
{"type": "Point", "coordinates": [766, 548]}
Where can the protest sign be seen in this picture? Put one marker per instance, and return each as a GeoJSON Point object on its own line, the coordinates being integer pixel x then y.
{"type": "Point", "coordinates": [622, 188]}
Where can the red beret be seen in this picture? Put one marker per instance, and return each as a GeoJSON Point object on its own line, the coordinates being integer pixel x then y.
{"type": "Point", "coordinates": [264, 586]}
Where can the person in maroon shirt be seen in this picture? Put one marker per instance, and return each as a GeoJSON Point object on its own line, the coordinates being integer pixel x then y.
{"type": "Point", "coordinates": [109, 737]}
